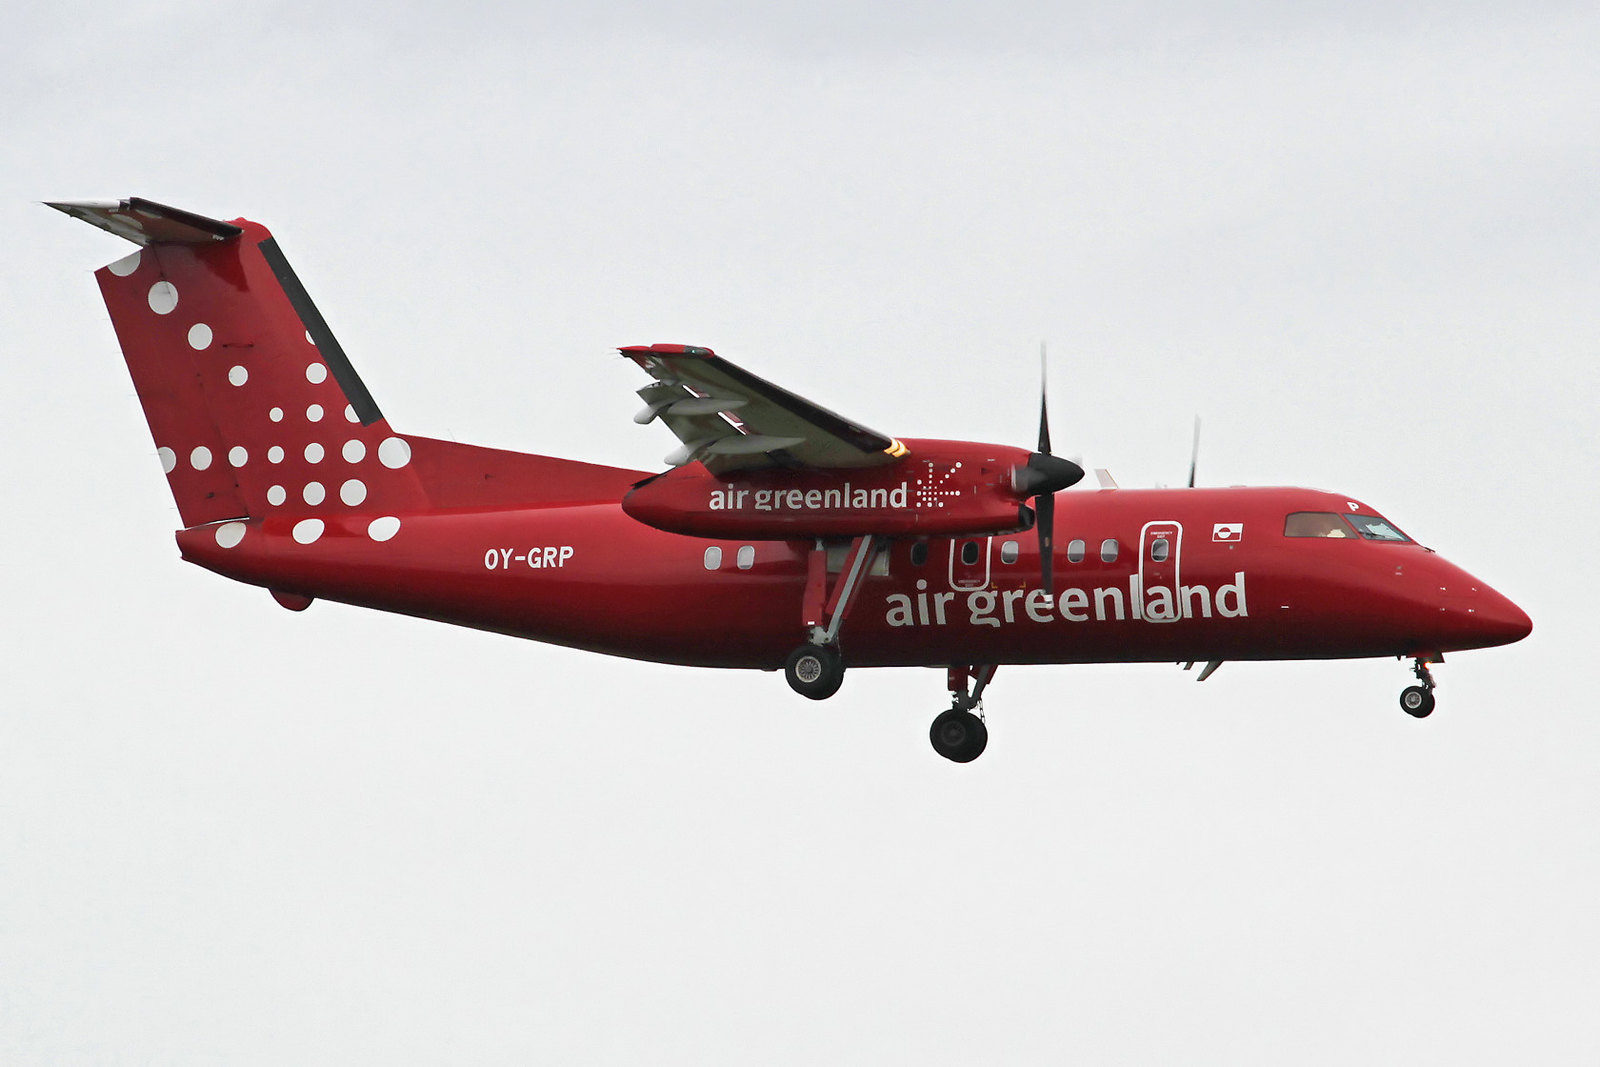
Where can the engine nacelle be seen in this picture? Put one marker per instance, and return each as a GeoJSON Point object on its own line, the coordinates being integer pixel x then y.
{"type": "Point", "coordinates": [944, 488]}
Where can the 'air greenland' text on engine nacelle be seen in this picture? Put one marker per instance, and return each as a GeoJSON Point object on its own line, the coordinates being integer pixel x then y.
{"type": "Point", "coordinates": [939, 488]}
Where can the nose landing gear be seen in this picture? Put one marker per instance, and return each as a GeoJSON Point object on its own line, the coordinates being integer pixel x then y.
{"type": "Point", "coordinates": [1417, 700]}
{"type": "Point", "coordinates": [958, 734]}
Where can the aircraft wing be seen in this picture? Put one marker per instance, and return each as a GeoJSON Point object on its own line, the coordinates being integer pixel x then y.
{"type": "Point", "coordinates": [731, 420]}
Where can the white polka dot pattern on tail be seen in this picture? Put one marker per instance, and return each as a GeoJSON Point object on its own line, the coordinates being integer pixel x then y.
{"type": "Point", "coordinates": [314, 413]}
{"type": "Point", "coordinates": [276, 414]}
{"type": "Point", "coordinates": [314, 493]}
{"type": "Point", "coordinates": [394, 453]}
{"type": "Point", "coordinates": [237, 456]}
{"type": "Point", "coordinates": [275, 454]}
{"type": "Point", "coordinates": [238, 375]}
{"type": "Point", "coordinates": [350, 413]}
{"type": "Point", "coordinates": [276, 496]}
{"type": "Point", "coordinates": [317, 373]}
{"type": "Point", "coordinates": [314, 453]}
{"type": "Point", "coordinates": [199, 337]}
{"type": "Point", "coordinates": [353, 492]}
{"type": "Point", "coordinates": [169, 459]}
{"type": "Point", "coordinates": [354, 451]}
{"type": "Point", "coordinates": [163, 298]}
{"type": "Point", "coordinates": [200, 458]}
{"type": "Point", "coordinates": [384, 528]}
{"type": "Point", "coordinates": [126, 265]}
{"type": "Point", "coordinates": [307, 530]}
{"type": "Point", "coordinates": [230, 534]}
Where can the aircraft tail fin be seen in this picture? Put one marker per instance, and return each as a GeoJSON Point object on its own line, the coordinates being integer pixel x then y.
{"type": "Point", "coordinates": [254, 407]}
{"type": "Point", "coordinates": [256, 411]}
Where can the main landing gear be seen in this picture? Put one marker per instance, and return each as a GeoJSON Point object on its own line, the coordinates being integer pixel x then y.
{"type": "Point", "coordinates": [1417, 700]}
{"type": "Point", "coordinates": [816, 669]}
{"type": "Point", "coordinates": [958, 734]}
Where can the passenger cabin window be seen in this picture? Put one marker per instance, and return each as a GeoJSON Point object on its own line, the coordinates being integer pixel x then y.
{"type": "Point", "coordinates": [713, 557]}
{"type": "Point", "coordinates": [1075, 550]}
{"type": "Point", "coordinates": [919, 553]}
{"type": "Point", "coordinates": [969, 553]}
{"type": "Point", "coordinates": [746, 557]}
{"type": "Point", "coordinates": [1009, 551]}
{"type": "Point", "coordinates": [1108, 550]}
{"type": "Point", "coordinates": [1158, 550]}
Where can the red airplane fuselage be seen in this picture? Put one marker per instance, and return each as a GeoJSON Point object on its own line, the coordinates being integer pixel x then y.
{"type": "Point", "coordinates": [1232, 586]}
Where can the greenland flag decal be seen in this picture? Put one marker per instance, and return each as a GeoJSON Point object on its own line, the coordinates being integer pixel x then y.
{"type": "Point", "coordinates": [1227, 531]}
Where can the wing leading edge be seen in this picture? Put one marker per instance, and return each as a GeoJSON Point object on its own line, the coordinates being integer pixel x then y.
{"type": "Point", "coordinates": [732, 420]}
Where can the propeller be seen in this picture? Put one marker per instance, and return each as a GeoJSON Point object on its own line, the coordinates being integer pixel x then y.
{"type": "Point", "coordinates": [1194, 454]}
{"type": "Point", "coordinates": [1041, 478]}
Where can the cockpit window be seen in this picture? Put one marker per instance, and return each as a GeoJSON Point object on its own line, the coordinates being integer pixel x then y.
{"type": "Point", "coordinates": [1375, 528]}
{"type": "Point", "coordinates": [1332, 524]}
{"type": "Point", "coordinates": [1315, 524]}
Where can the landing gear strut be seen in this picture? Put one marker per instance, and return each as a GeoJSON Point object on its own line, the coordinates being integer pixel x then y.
{"type": "Point", "coordinates": [1417, 700]}
{"type": "Point", "coordinates": [816, 669]}
{"type": "Point", "coordinates": [958, 734]}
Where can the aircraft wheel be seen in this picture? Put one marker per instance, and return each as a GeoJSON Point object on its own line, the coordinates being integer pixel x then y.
{"type": "Point", "coordinates": [814, 671]}
{"type": "Point", "coordinates": [1417, 701]}
{"type": "Point", "coordinates": [959, 735]}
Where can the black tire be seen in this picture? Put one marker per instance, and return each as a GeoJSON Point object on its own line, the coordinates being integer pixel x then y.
{"type": "Point", "coordinates": [814, 671]}
{"type": "Point", "coordinates": [1417, 701]}
{"type": "Point", "coordinates": [959, 736]}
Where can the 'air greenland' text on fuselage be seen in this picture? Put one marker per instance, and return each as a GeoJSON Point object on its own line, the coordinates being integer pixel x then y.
{"type": "Point", "coordinates": [988, 607]}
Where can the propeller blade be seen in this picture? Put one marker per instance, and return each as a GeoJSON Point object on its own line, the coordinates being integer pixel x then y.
{"type": "Point", "coordinates": [1044, 508]}
{"type": "Point", "coordinates": [1044, 407]}
{"type": "Point", "coordinates": [1194, 454]}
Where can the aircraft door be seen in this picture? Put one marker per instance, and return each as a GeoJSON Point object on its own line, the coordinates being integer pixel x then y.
{"type": "Point", "coordinates": [969, 562]}
{"type": "Point", "coordinates": [1160, 544]}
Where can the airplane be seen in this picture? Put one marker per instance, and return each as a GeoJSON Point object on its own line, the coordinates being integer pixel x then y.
{"type": "Point", "coordinates": [780, 535]}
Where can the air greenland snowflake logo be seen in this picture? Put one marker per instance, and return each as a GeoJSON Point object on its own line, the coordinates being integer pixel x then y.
{"type": "Point", "coordinates": [1227, 531]}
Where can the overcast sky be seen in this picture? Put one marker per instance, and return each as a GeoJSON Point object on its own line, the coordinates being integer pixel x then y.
{"type": "Point", "coordinates": [1361, 244]}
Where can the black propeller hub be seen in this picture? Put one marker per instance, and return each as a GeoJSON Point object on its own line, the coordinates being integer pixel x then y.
{"type": "Point", "coordinates": [1045, 473]}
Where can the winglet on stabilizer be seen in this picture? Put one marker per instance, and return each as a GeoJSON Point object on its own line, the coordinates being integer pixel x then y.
{"type": "Point", "coordinates": [146, 223]}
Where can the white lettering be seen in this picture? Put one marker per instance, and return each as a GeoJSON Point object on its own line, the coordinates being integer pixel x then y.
{"type": "Point", "coordinates": [899, 613]}
{"type": "Point", "coordinates": [1230, 598]}
{"type": "Point", "coordinates": [996, 608]}
{"type": "Point", "coordinates": [981, 608]}
{"type": "Point", "coordinates": [1037, 605]}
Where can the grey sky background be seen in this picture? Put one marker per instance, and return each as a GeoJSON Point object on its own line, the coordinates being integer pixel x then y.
{"type": "Point", "coordinates": [1360, 243]}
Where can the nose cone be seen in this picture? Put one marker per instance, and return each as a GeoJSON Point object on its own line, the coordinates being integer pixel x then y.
{"type": "Point", "coordinates": [1472, 615]}
{"type": "Point", "coordinates": [1497, 621]}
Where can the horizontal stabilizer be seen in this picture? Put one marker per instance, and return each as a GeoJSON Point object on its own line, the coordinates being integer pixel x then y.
{"type": "Point", "coordinates": [145, 222]}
